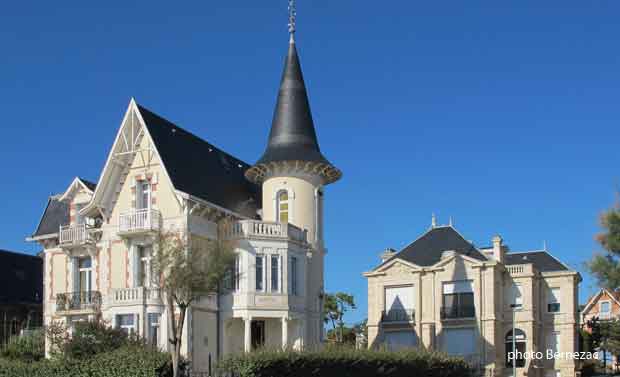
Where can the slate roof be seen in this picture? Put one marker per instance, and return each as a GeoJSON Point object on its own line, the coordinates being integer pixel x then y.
{"type": "Point", "coordinates": [198, 168]}
{"type": "Point", "coordinates": [56, 214]}
{"type": "Point", "coordinates": [427, 250]}
{"type": "Point", "coordinates": [21, 278]}
{"type": "Point", "coordinates": [292, 136]}
{"type": "Point", "coordinates": [91, 185]}
{"type": "Point", "coordinates": [542, 261]}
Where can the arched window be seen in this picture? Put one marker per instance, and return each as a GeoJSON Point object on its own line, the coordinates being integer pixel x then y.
{"type": "Point", "coordinates": [283, 206]}
{"type": "Point", "coordinates": [519, 345]}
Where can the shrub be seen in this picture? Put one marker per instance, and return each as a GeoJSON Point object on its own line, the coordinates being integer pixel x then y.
{"type": "Point", "coordinates": [127, 361]}
{"type": "Point", "coordinates": [30, 347]}
{"type": "Point", "coordinates": [343, 362]}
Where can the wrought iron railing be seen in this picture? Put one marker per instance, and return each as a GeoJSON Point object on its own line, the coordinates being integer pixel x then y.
{"type": "Point", "coordinates": [458, 311]}
{"type": "Point", "coordinates": [398, 315]}
{"type": "Point", "coordinates": [78, 301]}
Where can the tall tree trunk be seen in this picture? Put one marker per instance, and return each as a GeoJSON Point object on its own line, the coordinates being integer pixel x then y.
{"type": "Point", "coordinates": [175, 329]}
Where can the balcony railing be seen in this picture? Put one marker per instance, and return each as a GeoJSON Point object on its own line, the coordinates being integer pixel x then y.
{"type": "Point", "coordinates": [75, 301]}
{"type": "Point", "coordinates": [137, 295]}
{"type": "Point", "coordinates": [398, 315]}
{"type": "Point", "coordinates": [74, 234]}
{"type": "Point", "coordinates": [140, 220]}
{"type": "Point", "coordinates": [263, 229]}
{"type": "Point", "coordinates": [459, 311]}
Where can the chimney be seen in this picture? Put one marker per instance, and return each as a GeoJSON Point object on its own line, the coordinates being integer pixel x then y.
{"type": "Point", "coordinates": [387, 254]}
{"type": "Point", "coordinates": [498, 249]}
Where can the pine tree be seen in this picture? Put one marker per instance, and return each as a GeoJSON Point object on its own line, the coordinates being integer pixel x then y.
{"type": "Point", "coordinates": [606, 267]}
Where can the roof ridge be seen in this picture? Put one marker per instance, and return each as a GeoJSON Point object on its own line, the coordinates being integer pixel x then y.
{"type": "Point", "coordinates": [17, 253]}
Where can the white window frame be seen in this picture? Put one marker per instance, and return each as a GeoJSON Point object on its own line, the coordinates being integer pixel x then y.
{"type": "Point", "coordinates": [237, 274]}
{"type": "Point", "coordinates": [131, 329]}
{"type": "Point", "coordinates": [263, 272]}
{"type": "Point", "coordinates": [143, 187]}
{"type": "Point", "coordinates": [156, 325]}
{"type": "Point", "coordinates": [89, 274]}
{"type": "Point", "coordinates": [144, 260]}
{"type": "Point", "coordinates": [294, 289]}
{"type": "Point", "coordinates": [600, 309]}
{"type": "Point", "coordinates": [278, 272]}
{"type": "Point", "coordinates": [551, 296]}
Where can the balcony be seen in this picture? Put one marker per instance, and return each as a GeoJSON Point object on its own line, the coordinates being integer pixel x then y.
{"type": "Point", "coordinates": [139, 221]}
{"type": "Point", "coordinates": [458, 312]}
{"type": "Point", "coordinates": [83, 302]}
{"type": "Point", "coordinates": [74, 235]}
{"type": "Point", "coordinates": [266, 230]}
{"type": "Point", "coordinates": [135, 296]}
{"type": "Point", "coordinates": [398, 315]}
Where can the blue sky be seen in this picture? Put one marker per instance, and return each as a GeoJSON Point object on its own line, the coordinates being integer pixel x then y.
{"type": "Point", "coordinates": [503, 115]}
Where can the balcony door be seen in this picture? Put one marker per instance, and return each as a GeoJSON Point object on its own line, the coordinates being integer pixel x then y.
{"type": "Point", "coordinates": [143, 197]}
{"type": "Point", "coordinates": [85, 272]}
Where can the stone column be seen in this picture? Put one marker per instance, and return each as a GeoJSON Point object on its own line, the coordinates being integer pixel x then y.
{"type": "Point", "coordinates": [247, 338]}
{"type": "Point", "coordinates": [284, 333]}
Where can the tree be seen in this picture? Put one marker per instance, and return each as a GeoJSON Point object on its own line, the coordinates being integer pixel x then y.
{"type": "Point", "coordinates": [336, 305]}
{"type": "Point", "coordinates": [185, 272]}
{"type": "Point", "coordinates": [606, 268]}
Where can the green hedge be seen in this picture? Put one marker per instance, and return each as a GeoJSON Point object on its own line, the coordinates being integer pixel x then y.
{"type": "Point", "coordinates": [123, 362]}
{"type": "Point", "coordinates": [339, 362]}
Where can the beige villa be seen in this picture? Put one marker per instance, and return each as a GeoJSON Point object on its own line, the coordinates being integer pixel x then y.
{"type": "Point", "coordinates": [444, 293]}
{"type": "Point", "coordinates": [99, 238]}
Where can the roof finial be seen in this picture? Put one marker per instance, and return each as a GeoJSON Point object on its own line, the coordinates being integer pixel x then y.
{"type": "Point", "coordinates": [292, 17]}
{"type": "Point", "coordinates": [450, 221]}
{"type": "Point", "coordinates": [544, 245]}
{"type": "Point", "coordinates": [433, 221]}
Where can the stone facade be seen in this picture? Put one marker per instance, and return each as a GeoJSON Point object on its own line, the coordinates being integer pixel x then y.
{"type": "Point", "coordinates": [460, 302]}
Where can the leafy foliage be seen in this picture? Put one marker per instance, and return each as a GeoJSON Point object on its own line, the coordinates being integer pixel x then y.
{"type": "Point", "coordinates": [345, 362]}
{"type": "Point", "coordinates": [335, 306]}
{"type": "Point", "coordinates": [127, 361]}
{"type": "Point", "coordinates": [185, 272]}
{"type": "Point", "coordinates": [606, 268]}
{"type": "Point", "coordinates": [30, 347]}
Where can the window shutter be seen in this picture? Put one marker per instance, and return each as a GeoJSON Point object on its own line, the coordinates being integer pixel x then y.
{"type": "Point", "coordinates": [135, 259]}
{"type": "Point", "coordinates": [75, 262]}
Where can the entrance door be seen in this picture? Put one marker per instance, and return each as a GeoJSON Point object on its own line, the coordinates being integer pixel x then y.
{"type": "Point", "coordinates": [258, 334]}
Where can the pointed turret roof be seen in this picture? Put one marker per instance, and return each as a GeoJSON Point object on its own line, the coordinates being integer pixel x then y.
{"type": "Point", "coordinates": [292, 136]}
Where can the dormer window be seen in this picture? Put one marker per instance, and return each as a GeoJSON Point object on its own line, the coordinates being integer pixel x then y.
{"type": "Point", "coordinates": [283, 206]}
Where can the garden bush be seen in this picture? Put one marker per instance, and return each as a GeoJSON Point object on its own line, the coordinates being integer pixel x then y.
{"type": "Point", "coordinates": [30, 347]}
{"type": "Point", "coordinates": [344, 362]}
{"type": "Point", "coordinates": [127, 361]}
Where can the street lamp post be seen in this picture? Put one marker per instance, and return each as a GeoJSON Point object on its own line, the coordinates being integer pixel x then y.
{"type": "Point", "coordinates": [514, 308]}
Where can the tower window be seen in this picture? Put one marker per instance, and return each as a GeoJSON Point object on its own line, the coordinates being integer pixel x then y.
{"type": "Point", "coordinates": [283, 206]}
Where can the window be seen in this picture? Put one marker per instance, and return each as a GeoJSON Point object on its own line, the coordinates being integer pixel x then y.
{"type": "Point", "coordinates": [519, 345]}
{"type": "Point", "coordinates": [553, 341]}
{"type": "Point", "coordinates": [144, 266]}
{"type": "Point", "coordinates": [126, 322]}
{"type": "Point", "coordinates": [259, 272]}
{"type": "Point", "coordinates": [283, 206]}
{"type": "Point", "coordinates": [85, 273]}
{"type": "Point", "coordinates": [398, 304]}
{"type": "Point", "coordinates": [153, 328]}
{"type": "Point", "coordinates": [294, 276]}
{"type": "Point", "coordinates": [459, 341]}
{"type": "Point", "coordinates": [237, 275]}
{"type": "Point", "coordinates": [79, 219]}
{"type": "Point", "coordinates": [143, 197]}
{"type": "Point", "coordinates": [604, 311]}
{"type": "Point", "coordinates": [275, 273]}
{"type": "Point", "coordinates": [553, 300]}
{"type": "Point", "coordinates": [458, 300]}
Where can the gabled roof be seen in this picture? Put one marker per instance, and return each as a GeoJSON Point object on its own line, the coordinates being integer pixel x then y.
{"type": "Point", "coordinates": [56, 214]}
{"type": "Point", "coordinates": [77, 184]}
{"type": "Point", "coordinates": [542, 260]}
{"type": "Point", "coordinates": [615, 295]}
{"type": "Point", "coordinates": [21, 278]}
{"type": "Point", "coordinates": [90, 185]}
{"type": "Point", "coordinates": [198, 168]}
{"type": "Point", "coordinates": [427, 250]}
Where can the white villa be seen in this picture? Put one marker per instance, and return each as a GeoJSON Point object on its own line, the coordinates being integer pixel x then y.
{"type": "Point", "coordinates": [98, 239]}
